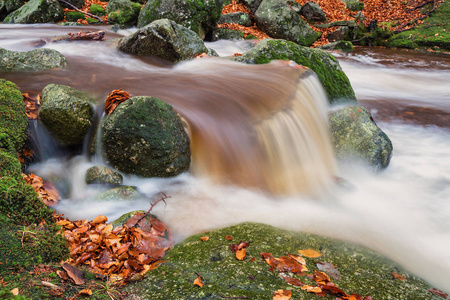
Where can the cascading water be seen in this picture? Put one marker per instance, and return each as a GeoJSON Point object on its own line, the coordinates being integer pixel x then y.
{"type": "Point", "coordinates": [401, 213]}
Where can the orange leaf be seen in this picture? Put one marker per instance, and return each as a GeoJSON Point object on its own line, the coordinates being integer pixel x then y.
{"type": "Point", "coordinates": [310, 253]}
{"type": "Point", "coordinates": [204, 238]}
{"type": "Point", "coordinates": [99, 219]}
{"type": "Point", "coordinates": [198, 281]}
{"type": "Point", "coordinates": [282, 295]}
{"type": "Point", "coordinates": [15, 291]}
{"type": "Point", "coordinates": [85, 292]}
{"type": "Point", "coordinates": [398, 276]}
{"type": "Point", "coordinates": [240, 254]}
{"type": "Point", "coordinates": [229, 238]}
{"type": "Point", "coordinates": [312, 289]}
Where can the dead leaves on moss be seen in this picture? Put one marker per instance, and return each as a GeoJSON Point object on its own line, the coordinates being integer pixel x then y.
{"type": "Point", "coordinates": [32, 104]}
{"type": "Point", "coordinates": [114, 99]}
{"type": "Point", "coordinates": [45, 190]}
{"type": "Point", "coordinates": [124, 253]}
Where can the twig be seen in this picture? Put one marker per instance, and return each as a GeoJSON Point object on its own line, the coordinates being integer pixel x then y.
{"type": "Point", "coordinates": [422, 5]}
{"type": "Point", "coordinates": [163, 198]}
{"type": "Point", "coordinates": [86, 13]}
{"type": "Point", "coordinates": [400, 29]}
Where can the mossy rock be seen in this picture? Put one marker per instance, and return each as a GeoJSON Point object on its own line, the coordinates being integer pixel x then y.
{"type": "Point", "coordinates": [227, 34]}
{"type": "Point", "coordinates": [103, 175]}
{"type": "Point", "coordinates": [312, 12]}
{"type": "Point", "coordinates": [8, 6]}
{"type": "Point", "coordinates": [67, 113]}
{"type": "Point", "coordinates": [10, 165]}
{"type": "Point", "coordinates": [239, 18]}
{"type": "Point", "coordinates": [37, 11]}
{"type": "Point", "coordinates": [97, 10]}
{"type": "Point", "coordinates": [433, 33]}
{"type": "Point", "coordinates": [123, 12]}
{"type": "Point", "coordinates": [164, 39]}
{"type": "Point", "coordinates": [120, 193]}
{"type": "Point", "coordinates": [37, 59]}
{"type": "Point", "coordinates": [145, 137]}
{"type": "Point", "coordinates": [73, 16]}
{"type": "Point", "coordinates": [354, 5]}
{"type": "Point", "coordinates": [362, 271]}
{"type": "Point", "coordinates": [345, 46]}
{"type": "Point", "coordinates": [356, 136]}
{"type": "Point", "coordinates": [336, 84]}
{"type": "Point", "coordinates": [13, 120]}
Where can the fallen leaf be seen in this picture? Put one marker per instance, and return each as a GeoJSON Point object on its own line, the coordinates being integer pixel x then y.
{"type": "Point", "coordinates": [298, 258]}
{"type": "Point", "coordinates": [310, 253]}
{"type": "Point", "coordinates": [438, 293]}
{"type": "Point", "coordinates": [282, 295]}
{"type": "Point", "coordinates": [240, 254]}
{"type": "Point", "coordinates": [329, 269]}
{"type": "Point", "coordinates": [114, 99]}
{"type": "Point", "coordinates": [204, 238]}
{"type": "Point", "coordinates": [229, 238]}
{"type": "Point", "coordinates": [293, 281]}
{"type": "Point", "coordinates": [74, 274]}
{"type": "Point", "coordinates": [312, 289]}
{"type": "Point", "coordinates": [397, 276]}
{"type": "Point", "coordinates": [15, 291]}
{"type": "Point", "coordinates": [99, 219]}
{"type": "Point", "coordinates": [85, 292]}
{"type": "Point", "coordinates": [198, 281]}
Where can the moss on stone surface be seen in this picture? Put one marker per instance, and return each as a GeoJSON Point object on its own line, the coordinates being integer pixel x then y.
{"type": "Point", "coordinates": [123, 12]}
{"type": "Point", "coordinates": [37, 11]}
{"type": "Point", "coordinates": [37, 59]}
{"type": "Point", "coordinates": [363, 272]}
{"type": "Point", "coordinates": [97, 10]}
{"type": "Point", "coordinates": [73, 16]}
{"type": "Point", "coordinates": [433, 34]}
{"type": "Point", "coordinates": [13, 121]}
{"type": "Point", "coordinates": [10, 165]}
{"type": "Point", "coordinates": [336, 84]}
{"type": "Point", "coordinates": [120, 193]}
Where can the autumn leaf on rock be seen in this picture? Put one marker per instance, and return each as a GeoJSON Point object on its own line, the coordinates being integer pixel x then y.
{"type": "Point", "coordinates": [310, 253]}
{"type": "Point", "coordinates": [293, 281]}
{"type": "Point", "coordinates": [228, 238]}
{"type": "Point", "coordinates": [438, 293]}
{"type": "Point", "coordinates": [329, 269]}
{"type": "Point", "coordinates": [397, 276]}
{"type": "Point", "coordinates": [240, 254]}
{"type": "Point", "coordinates": [114, 99]}
{"type": "Point", "coordinates": [282, 295]}
{"type": "Point", "coordinates": [312, 289]}
{"type": "Point", "coordinates": [204, 238]}
{"type": "Point", "coordinates": [75, 274]}
{"type": "Point", "coordinates": [239, 249]}
{"type": "Point", "coordinates": [32, 105]}
{"type": "Point", "coordinates": [198, 281]}
{"type": "Point", "coordinates": [46, 191]}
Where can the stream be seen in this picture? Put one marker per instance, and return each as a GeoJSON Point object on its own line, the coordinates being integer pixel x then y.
{"type": "Point", "coordinates": [402, 212]}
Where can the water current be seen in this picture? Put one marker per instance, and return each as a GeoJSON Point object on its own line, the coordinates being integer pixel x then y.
{"type": "Point", "coordinates": [402, 212]}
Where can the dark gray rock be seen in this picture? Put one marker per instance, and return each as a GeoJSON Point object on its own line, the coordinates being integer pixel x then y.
{"type": "Point", "coordinates": [275, 18]}
{"type": "Point", "coordinates": [37, 11]}
{"type": "Point", "coordinates": [335, 82]}
{"type": "Point", "coordinates": [145, 137]}
{"type": "Point", "coordinates": [252, 4]}
{"type": "Point", "coordinates": [339, 45]}
{"type": "Point", "coordinates": [67, 113]}
{"type": "Point", "coordinates": [361, 271]}
{"type": "Point", "coordinates": [8, 6]}
{"type": "Point", "coordinates": [227, 34]}
{"type": "Point", "coordinates": [164, 39]}
{"type": "Point", "coordinates": [200, 16]}
{"type": "Point", "coordinates": [239, 18]}
{"type": "Point", "coordinates": [37, 59]}
{"type": "Point", "coordinates": [103, 175]}
{"type": "Point", "coordinates": [312, 12]}
{"type": "Point", "coordinates": [356, 136]}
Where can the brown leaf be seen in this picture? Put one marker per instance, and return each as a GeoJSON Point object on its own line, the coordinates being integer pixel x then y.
{"type": "Point", "coordinates": [310, 253]}
{"type": "Point", "coordinates": [62, 274]}
{"type": "Point", "coordinates": [204, 238]}
{"type": "Point", "coordinates": [15, 291]}
{"type": "Point", "coordinates": [438, 293]}
{"type": "Point", "coordinates": [241, 245]}
{"type": "Point", "coordinates": [198, 281]}
{"type": "Point", "coordinates": [87, 292]}
{"type": "Point", "coordinates": [74, 274]}
{"type": "Point", "coordinates": [321, 277]}
{"type": "Point", "coordinates": [228, 238]}
{"type": "Point", "coordinates": [329, 269]}
{"type": "Point", "coordinates": [99, 219]}
{"type": "Point", "coordinates": [312, 289]}
{"type": "Point", "coordinates": [397, 276]}
{"type": "Point", "coordinates": [114, 99]}
{"type": "Point", "coordinates": [282, 295]}
{"type": "Point", "coordinates": [293, 281]}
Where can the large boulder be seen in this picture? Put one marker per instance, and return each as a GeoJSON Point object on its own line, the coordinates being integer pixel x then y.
{"type": "Point", "coordinates": [37, 11]}
{"type": "Point", "coordinates": [239, 18]}
{"type": "Point", "coordinates": [67, 113]}
{"type": "Point", "coordinates": [351, 268]}
{"type": "Point", "coordinates": [145, 137]}
{"type": "Point", "coordinates": [275, 18]}
{"type": "Point", "coordinates": [13, 120]}
{"type": "Point", "coordinates": [123, 12]}
{"type": "Point", "coordinates": [8, 6]}
{"type": "Point", "coordinates": [356, 136]}
{"type": "Point", "coordinates": [198, 15]}
{"type": "Point", "coordinates": [312, 12]}
{"type": "Point", "coordinates": [335, 82]}
{"type": "Point", "coordinates": [37, 59]}
{"type": "Point", "coordinates": [164, 39]}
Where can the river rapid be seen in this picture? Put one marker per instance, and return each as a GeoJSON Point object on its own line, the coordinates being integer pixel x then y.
{"type": "Point", "coordinates": [402, 212]}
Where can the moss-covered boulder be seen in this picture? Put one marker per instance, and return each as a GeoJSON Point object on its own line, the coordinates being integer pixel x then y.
{"type": "Point", "coordinates": [37, 11]}
{"type": "Point", "coordinates": [200, 16]}
{"type": "Point", "coordinates": [335, 82]}
{"type": "Point", "coordinates": [361, 271]}
{"type": "Point", "coordinates": [433, 33]}
{"type": "Point", "coordinates": [239, 18]}
{"type": "Point", "coordinates": [10, 165]}
{"type": "Point", "coordinates": [120, 193]}
{"type": "Point", "coordinates": [275, 18]}
{"type": "Point", "coordinates": [37, 59]}
{"type": "Point", "coordinates": [73, 16]}
{"type": "Point", "coordinates": [164, 39]}
{"type": "Point", "coordinates": [13, 120]}
{"type": "Point", "coordinates": [123, 12]}
{"type": "Point", "coordinates": [227, 34]}
{"type": "Point", "coordinates": [145, 137]}
{"type": "Point", "coordinates": [356, 136]}
{"type": "Point", "coordinates": [103, 175]}
{"type": "Point", "coordinates": [97, 10]}
{"type": "Point", "coordinates": [354, 5]}
{"type": "Point", "coordinates": [312, 12]}
{"type": "Point", "coordinates": [345, 46]}
{"type": "Point", "coordinates": [67, 113]}
{"type": "Point", "coordinates": [8, 6]}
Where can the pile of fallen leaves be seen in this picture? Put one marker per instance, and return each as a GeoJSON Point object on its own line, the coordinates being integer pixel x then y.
{"type": "Point", "coordinates": [124, 253]}
{"type": "Point", "coordinates": [114, 99]}
{"type": "Point", "coordinates": [32, 104]}
{"type": "Point", "coordinates": [45, 190]}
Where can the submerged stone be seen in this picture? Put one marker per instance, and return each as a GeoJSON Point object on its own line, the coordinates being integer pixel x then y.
{"type": "Point", "coordinates": [37, 59]}
{"type": "Point", "coordinates": [356, 136]}
{"type": "Point", "coordinates": [145, 137]}
{"type": "Point", "coordinates": [67, 113]}
{"type": "Point", "coordinates": [103, 175]}
{"type": "Point", "coordinates": [120, 193]}
{"type": "Point", "coordinates": [361, 271]}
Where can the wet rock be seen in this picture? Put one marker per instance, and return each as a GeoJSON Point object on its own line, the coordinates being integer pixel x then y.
{"type": "Point", "coordinates": [103, 175]}
{"type": "Point", "coordinates": [123, 12]}
{"type": "Point", "coordinates": [67, 113]}
{"type": "Point", "coordinates": [120, 193]}
{"type": "Point", "coordinates": [356, 136]}
{"type": "Point", "coordinates": [37, 59]}
{"type": "Point", "coordinates": [164, 39]}
{"type": "Point", "coordinates": [200, 16]}
{"type": "Point", "coordinates": [335, 82]}
{"type": "Point", "coordinates": [275, 18]}
{"type": "Point", "coordinates": [312, 12]}
{"type": "Point", "coordinates": [13, 120]}
{"type": "Point", "coordinates": [8, 6]}
{"type": "Point", "coordinates": [239, 18]}
{"type": "Point", "coordinates": [339, 45]}
{"type": "Point", "coordinates": [37, 11]}
{"type": "Point", "coordinates": [145, 137]}
{"type": "Point", "coordinates": [354, 5]}
{"type": "Point", "coordinates": [227, 34]}
{"type": "Point", "coordinates": [253, 5]}
{"type": "Point", "coordinates": [361, 271]}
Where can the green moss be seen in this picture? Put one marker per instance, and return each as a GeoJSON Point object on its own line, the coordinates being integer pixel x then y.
{"type": "Point", "coordinates": [93, 21]}
{"type": "Point", "coordinates": [73, 16]}
{"type": "Point", "coordinates": [9, 165]}
{"type": "Point", "coordinates": [97, 10]}
{"type": "Point", "coordinates": [13, 121]}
